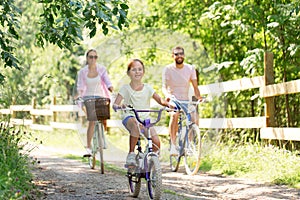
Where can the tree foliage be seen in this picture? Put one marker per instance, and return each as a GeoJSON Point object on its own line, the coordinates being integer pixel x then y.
{"type": "Point", "coordinates": [235, 35]}
{"type": "Point", "coordinates": [60, 22]}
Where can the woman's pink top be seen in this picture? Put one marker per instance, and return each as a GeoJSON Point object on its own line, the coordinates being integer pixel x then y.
{"type": "Point", "coordinates": [105, 82]}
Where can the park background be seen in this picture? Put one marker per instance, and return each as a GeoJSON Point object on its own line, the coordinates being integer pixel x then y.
{"type": "Point", "coordinates": [225, 40]}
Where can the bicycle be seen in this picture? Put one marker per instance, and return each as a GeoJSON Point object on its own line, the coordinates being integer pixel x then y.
{"type": "Point", "coordinates": [147, 162]}
{"type": "Point", "coordinates": [97, 110]}
{"type": "Point", "coordinates": [188, 138]}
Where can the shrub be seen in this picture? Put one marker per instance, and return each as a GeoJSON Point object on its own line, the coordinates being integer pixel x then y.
{"type": "Point", "coordinates": [15, 174]}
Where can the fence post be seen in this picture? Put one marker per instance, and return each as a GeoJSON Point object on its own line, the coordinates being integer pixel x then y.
{"type": "Point", "coordinates": [14, 113]}
{"type": "Point", "coordinates": [269, 80]}
{"type": "Point", "coordinates": [33, 103]}
{"type": "Point", "coordinates": [54, 113]}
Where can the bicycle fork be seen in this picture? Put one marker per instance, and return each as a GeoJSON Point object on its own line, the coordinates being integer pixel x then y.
{"type": "Point", "coordinates": [181, 137]}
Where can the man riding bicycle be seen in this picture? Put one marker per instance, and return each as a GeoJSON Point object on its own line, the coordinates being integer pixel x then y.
{"type": "Point", "coordinates": [176, 79]}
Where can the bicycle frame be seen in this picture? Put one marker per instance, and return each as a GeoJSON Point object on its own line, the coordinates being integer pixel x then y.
{"type": "Point", "coordinates": [98, 142]}
{"type": "Point", "coordinates": [148, 165]}
{"type": "Point", "coordinates": [189, 138]}
{"type": "Point", "coordinates": [183, 110]}
{"type": "Point", "coordinates": [147, 124]}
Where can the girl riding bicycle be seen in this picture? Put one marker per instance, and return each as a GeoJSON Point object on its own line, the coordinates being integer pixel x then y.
{"type": "Point", "coordinates": [137, 94]}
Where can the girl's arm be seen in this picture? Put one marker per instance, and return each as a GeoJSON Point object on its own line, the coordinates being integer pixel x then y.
{"type": "Point", "coordinates": [117, 103]}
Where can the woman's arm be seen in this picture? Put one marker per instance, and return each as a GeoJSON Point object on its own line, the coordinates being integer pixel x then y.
{"type": "Point", "coordinates": [80, 83]}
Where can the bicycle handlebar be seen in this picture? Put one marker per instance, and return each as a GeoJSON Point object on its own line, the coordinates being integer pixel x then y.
{"type": "Point", "coordinates": [202, 100]}
{"type": "Point", "coordinates": [78, 100]}
{"type": "Point", "coordinates": [178, 103]}
{"type": "Point", "coordinates": [136, 112]}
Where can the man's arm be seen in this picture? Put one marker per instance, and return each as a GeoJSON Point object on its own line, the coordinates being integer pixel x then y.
{"type": "Point", "coordinates": [196, 89]}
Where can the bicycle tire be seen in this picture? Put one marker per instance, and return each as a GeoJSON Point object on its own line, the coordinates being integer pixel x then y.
{"type": "Point", "coordinates": [175, 159]}
{"type": "Point", "coordinates": [101, 144]}
{"type": "Point", "coordinates": [174, 162]}
{"type": "Point", "coordinates": [192, 152]}
{"type": "Point", "coordinates": [154, 184]}
{"type": "Point", "coordinates": [92, 161]}
{"type": "Point", "coordinates": [94, 147]}
{"type": "Point", "coordinates": [134, 182]}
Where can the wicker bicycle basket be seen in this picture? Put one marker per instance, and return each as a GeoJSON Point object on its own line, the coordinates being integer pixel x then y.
{"type": "Point", "coordinates": [97, 109]}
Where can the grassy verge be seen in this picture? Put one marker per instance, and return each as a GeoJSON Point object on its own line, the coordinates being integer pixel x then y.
{"type": "Point", "coordinates": [267, 164]}
{"type": "Point", "coordinates": [15, 165]}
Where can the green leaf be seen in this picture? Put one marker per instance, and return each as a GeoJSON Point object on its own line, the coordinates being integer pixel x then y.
{"type": "Point", "coordinates": [93, 32]}
{"type": "Point", "coordinates": [124, 6]}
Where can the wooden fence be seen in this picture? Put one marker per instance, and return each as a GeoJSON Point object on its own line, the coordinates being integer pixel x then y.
{"type": "Point", "coordinates": [266, 124]}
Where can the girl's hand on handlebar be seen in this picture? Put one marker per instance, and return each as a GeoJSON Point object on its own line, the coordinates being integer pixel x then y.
{"type": "Point", "coordinates": [121, 107]}
{"type": "Point", "coordinates": [116, 107]}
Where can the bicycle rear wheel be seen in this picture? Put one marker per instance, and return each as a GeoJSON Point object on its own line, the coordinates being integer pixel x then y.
{"type": "Point", "coordinates": [154, 183]}
{"type": "Point", "coordinates": [192, 150]}
{"type": "Point", "coordinates": [134, 182]}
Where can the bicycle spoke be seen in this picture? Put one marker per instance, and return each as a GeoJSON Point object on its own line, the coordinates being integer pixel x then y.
{"type": "Point", "coordinates": [100, 146]}
{"type": "Point", "coordinates": [174, 163]}
{"type": "Point", "coordinates": [134, 183]}
{"type": "Point", "coordinates": [94, 147]}
{"type": "Point", "coordinates": [154, 184]}
{"type": "Point", "coordinates": [193, 151]}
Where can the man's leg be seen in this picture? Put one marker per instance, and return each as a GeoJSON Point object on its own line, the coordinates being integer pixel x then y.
{"type": "Point", "coordinates": [173, 127]}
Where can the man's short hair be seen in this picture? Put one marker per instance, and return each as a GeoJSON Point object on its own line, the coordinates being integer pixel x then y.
{"type": "Point", "coordinates": [178, 48]}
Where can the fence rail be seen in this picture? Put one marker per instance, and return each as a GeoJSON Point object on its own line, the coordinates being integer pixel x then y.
{"type": "Point", "coordinates": [265, 123]}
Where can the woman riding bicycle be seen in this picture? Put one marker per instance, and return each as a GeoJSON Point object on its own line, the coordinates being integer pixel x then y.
{"type": "Point", "coordinates": [93, 82]}
{"type": "Point", "coordinates": [137, 94]}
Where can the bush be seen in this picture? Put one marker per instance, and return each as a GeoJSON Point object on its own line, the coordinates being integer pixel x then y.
{"type": "Point", "coordinates": [15, 174]}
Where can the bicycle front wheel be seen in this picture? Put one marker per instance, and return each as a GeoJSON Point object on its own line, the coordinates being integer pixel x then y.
{"type": "Point", "coordinates": [192, 150]}
{"type": "Point", "coordinates": [100, 135]}
{"type": "Point", "coordinates": [175, 159]}
{"type": "Point", "coordinates": [134, 182]}
{"type": "Point", "coordinates": [94, 147]}
{"type": "Point", "coordinates": [154, 179]}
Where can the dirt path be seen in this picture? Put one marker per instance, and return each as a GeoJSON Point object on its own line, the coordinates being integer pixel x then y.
{"type": "Point", "coordinates": [66, 179]}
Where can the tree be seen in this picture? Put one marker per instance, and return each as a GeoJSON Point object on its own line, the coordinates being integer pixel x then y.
{"type": "Point", "coordinates": [60, 22]}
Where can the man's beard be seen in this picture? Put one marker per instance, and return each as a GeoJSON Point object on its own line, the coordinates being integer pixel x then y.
{"type": "Point", "coordinates": [179, 62]}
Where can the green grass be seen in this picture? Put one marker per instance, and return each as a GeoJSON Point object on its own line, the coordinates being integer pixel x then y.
{"type": "Point", "coordinates": [15, 164]}
{"type": "Point", "coordinates": [267, 164]}
{"type": "Point", "coordinates": [63, 139]}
